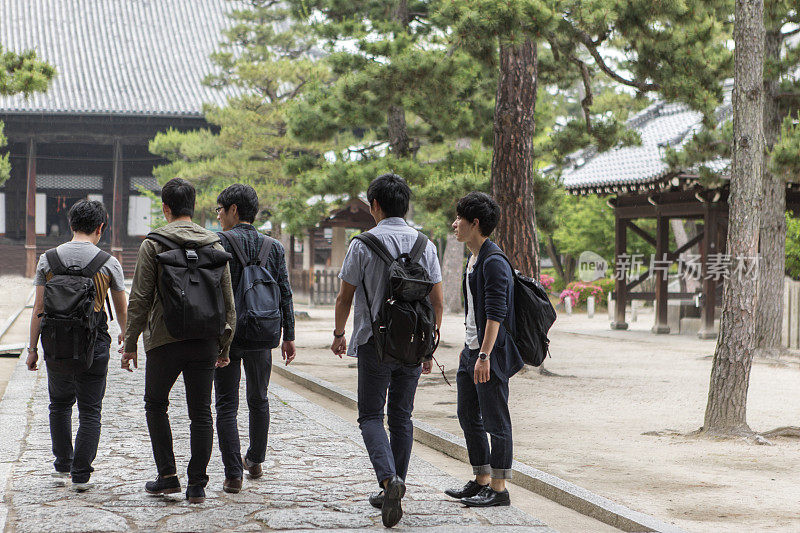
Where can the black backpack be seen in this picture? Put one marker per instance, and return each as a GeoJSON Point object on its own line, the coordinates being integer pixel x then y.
{"type": "Point", "coordinates": [189, 286]}
{"type": "Point", "coordinates": [70, 324]}
{"type": "Point", "coordinates": [258, 298]}
{"type": "Point", "coordinates": [534, 315]}
{"type": "Point", "coordinates": [405, 328]}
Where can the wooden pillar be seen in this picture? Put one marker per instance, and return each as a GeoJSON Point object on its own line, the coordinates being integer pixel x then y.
{"type": "Point", "coordinates": [661, 325]}
{"type": "Point", "coordinates": [30, 212]}
{"type": "Point", "coordinates": [338, 247]}
{"type": "Point", "coordinates": [620, 290]}
{"type": "Point", "coordinates": [116, 203]}
{"type": "Point", "coordinates": [710, 246]}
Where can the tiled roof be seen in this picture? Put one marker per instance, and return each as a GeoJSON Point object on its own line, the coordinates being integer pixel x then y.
{"type": "Point", "coordinates": [126, 57]}
{"type": "Point", "coordinates": [660, 125]}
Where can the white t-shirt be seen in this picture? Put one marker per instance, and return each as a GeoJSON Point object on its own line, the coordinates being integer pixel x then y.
{"type": "Point", "coordinates": [471, 336]}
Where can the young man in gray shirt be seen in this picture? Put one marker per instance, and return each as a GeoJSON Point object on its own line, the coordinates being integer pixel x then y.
{"type": "Point", "coordinates": [388, 196]}
{"type": "Point", "coordinates": [67, 380]}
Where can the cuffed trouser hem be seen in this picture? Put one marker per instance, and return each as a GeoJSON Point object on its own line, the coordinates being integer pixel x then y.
{"type": "Point", "coordinates": [482, 469]}
{"type": "Point", "coordinates": [501, 473]}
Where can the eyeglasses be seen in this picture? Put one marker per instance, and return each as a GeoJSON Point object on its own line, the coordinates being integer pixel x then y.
{"type": "Point", "coordinates": [218, 209]}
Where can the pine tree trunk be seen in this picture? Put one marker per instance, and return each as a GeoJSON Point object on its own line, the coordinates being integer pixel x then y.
{"type": "Point", "coordinates": [452, 274]}
{"type": "Point", "coordinates": [512, 170]}
{"type": "Point", "coordinates": [772, 244]}
{"type": "Point", "coordinates": [552, 252]}
{"type": "Point", "coordinates": [399, 143]}
{"type": "Point", "coordinates": [398, 132]}
{"type": "Point", "coordinates": [726, 412]}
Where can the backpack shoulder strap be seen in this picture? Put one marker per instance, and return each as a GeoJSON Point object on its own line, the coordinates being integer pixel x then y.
{"type": "Point", "coordinates": [166, 241]}
{"type": "Point", "coordinates": [374, 244]}
{"type": "Point", "coordinates": [95, 264]}
{"type": "Point", "coordinates": [419, 247]}
{"type": "Point", "coordinates": [237, 247]}
{"type": "Point", "coordinates": [504, 256]}
{"type": "Point", "coordinates": [267, 244]}
{"type": "Point", "coordinates": [56, 266]}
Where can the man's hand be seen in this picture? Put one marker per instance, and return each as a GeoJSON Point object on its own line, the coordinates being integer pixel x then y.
{"type": "Point", "coordinates": [426, 367]}
{"type": "Point", "coordinates": [121, 339]}
{"type": "Point", "coordinates": [33, 356]}
{"type": "Point", "coordinates": [127, 357]}
{"type": "Point", "coordinates": [222, 361]}
{"type": "Point", "coordinates": [339, 346]}
{"type": "Point", "coordinates": [482, 373]}
{"type": "Point", "coordinates": [288, 351]}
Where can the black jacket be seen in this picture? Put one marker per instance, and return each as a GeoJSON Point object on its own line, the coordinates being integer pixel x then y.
{"type": "Point", "coordinates": [250, 239]}
{"type": "Point", "coordinates": [492, 287]}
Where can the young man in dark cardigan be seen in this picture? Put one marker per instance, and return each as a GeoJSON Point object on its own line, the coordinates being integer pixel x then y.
{"type": "Point", "coordinates": [489, 357]}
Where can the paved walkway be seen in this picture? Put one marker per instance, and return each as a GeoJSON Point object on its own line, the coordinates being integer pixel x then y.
{"type": "Point", "coordinates": [317, 474]}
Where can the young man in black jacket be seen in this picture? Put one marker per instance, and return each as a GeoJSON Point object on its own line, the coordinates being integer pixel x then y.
{"type": "Point", "coordinates": [489, 357]}
{"type": "Point", "coordinates": [237, 207]}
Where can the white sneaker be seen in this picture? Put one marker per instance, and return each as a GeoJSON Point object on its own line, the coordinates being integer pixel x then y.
{"type": "Point", "coordinates": [82, 487]}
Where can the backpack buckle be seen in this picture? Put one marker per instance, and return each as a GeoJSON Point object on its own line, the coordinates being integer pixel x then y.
{"type": "Point", "coordinates": [191, 255]}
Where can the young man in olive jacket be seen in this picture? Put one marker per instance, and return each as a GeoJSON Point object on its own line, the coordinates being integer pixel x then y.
{"type": "Point", "coordinates": [168, 357]}
{"type": "Point", "coordinates": [489, 357]}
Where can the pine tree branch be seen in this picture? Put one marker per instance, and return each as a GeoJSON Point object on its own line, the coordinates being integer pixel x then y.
{"type": "Point", "coordinates": [591, 47]}
{"type": "Point", "coordinates": [586, 102]}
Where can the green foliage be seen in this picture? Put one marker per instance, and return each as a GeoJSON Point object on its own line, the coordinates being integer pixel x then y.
{"type": "Point", "coordinates": [25, 74]}
{"type": "Point", "coordinates": [785, 158]}
{"type": "Point", "coordinates": [793, 246]}
{"type": "Point", "coordinates": [267, 60]}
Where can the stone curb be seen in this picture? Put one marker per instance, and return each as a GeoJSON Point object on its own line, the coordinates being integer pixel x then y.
{"type": "Point", "coordinates": [551, 487]}
{"type": "Point", "coordinates": [13, 426]}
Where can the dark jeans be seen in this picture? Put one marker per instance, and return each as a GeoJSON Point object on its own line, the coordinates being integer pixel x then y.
{"type": "Point", "coordinates": [483, 408]}
{"type": "Point", "coordinates": [195, 359]}
{"type": "Point", "coordinates": [257, 370]}
{"type": "Point", "coordinates": [66, 385]}
{"type": "Point", "coordinates": [389, 455]}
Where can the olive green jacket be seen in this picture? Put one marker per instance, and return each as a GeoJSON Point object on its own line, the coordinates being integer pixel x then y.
{"type": "Point", "coordinates": [145, 313]}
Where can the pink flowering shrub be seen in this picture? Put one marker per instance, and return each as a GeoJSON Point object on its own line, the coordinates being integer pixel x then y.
{"type": "Point", "coordinates": [546, 281]}
{"type": "Point", "coordinates": [572, 295]}
{"type": "Point", "coordinates": [579, 291]}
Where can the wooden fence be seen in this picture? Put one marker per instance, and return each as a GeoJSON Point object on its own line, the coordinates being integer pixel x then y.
{"type": "Point", "coordinates": [325, 287]}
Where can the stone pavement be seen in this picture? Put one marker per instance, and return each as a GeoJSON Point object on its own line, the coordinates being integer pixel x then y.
{"type": "Point", "coordinates": [317, 475]}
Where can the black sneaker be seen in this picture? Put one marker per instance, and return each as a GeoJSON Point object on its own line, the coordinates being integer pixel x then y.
{"type": "Point", "coordinates": [163, 485]}
{"type": "Point", "coordinates": [467, 491]}
{"type": "Point", "coordinates": [488, 497]}
{"type": "Point", "coordinates": [376, 500]}
{"type": "Point", "coordinates": [392, 510]}
{"type": "Point", "coordinates": [195, 494]}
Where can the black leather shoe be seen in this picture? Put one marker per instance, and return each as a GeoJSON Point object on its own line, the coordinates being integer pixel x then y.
{"type": "Point", "coordinates": [392, 510]}
{"type": "Point", "coordinates": [195, 494]}
{"type": "Point", "coordinates": [467, 491]}
{"type": "Point", "coordinates": [376, 500]}
{"type": "Point", "coordinates": [163, 485]}
{"type": "Point", "coordinates": [488, 498]}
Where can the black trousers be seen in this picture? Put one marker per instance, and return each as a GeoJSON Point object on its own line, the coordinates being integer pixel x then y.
{"type": "Point", "coordinates": [257, 370]}
{"type": "Point", "coordinates": [389, 455]}
{"type": "Point", "coordinates": [66, 385]}
{"type": "Point", "coordinates": [195, 360]}
{"type": "Point", "coordinates": [483, 408]}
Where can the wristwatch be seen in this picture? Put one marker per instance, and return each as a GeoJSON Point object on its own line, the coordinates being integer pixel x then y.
{"type": "Point", "coordinates": [483, 356]}
{"type": "Point", "coordinates": [337, 336]}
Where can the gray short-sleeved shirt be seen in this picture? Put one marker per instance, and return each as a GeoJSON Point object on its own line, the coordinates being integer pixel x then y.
{"type": "Point", "coordinates": [80, 254]}
{"type": "Point", "coordinates": [360, 264]}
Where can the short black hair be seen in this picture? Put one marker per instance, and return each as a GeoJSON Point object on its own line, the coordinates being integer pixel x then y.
{"type": "Point", "coordinates": [392, 193]}
{"type": "Point", "coordinates": [481, 206]}
{"type": "Point", "coordinates": [245, 198]}
{"type": "Point", "coordinates": [85, 216]}
{"type": "Point", "coordinates": [178, 194]}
